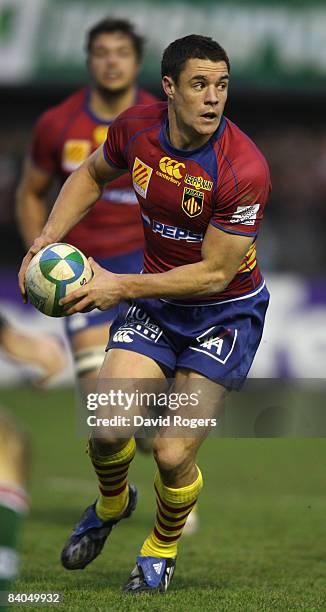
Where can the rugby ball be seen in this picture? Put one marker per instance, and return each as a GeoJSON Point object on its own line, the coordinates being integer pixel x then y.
{"type": "Point", "coordinates": [53, 273]}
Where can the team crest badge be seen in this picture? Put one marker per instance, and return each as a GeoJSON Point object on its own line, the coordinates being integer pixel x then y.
{"type": "Point", "coordinates": [192, 202]}
{"type": "Point", "coordinates": [141, 175]}
{"type": "Point", "coordinates": [74, 154]}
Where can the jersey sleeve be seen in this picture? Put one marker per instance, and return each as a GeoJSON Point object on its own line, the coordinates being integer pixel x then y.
{"type": "Point", "coordinates": [115, 144]}
{"type": "Point", "coordinates": [43, 146]}
{"type": "Point", "coordinates": [242, 195]}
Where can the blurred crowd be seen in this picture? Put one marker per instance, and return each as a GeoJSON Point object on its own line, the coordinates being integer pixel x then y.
{"type": "Point", "coordinates": [293, 232]}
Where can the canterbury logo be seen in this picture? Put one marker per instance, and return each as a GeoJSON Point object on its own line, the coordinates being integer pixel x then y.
{"type": "Point", "coordinates": [123, 336]}
{"type": "Point", "coordinates": [171, 167]}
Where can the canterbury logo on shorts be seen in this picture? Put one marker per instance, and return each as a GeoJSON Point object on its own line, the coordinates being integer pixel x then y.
{"type": "Point", "coordinates": [123, 336]}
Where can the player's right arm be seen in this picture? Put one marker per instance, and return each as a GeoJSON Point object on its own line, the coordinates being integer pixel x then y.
{"type": "Point", "coordinates": [31, 209]}
{"type": "Point", "coordinates": [77, 196]}
{"type": "Point", "coordinates": [40, 168]}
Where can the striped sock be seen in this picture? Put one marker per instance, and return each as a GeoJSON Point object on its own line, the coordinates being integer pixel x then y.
{"type": "Point", "coordinates": [112, 472]}
{"type": "Point", "coordinates": [13, 504]}
{"type": "Point", "coordinates": [173, 507]}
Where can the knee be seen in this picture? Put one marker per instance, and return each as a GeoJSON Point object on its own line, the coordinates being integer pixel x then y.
{"type": "Point", "coordinates": [105, 445]}
{"type": "Point", "coordinates": [173, 456]}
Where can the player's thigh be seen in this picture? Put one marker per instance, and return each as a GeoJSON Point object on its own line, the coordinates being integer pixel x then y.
{"type": "Point", "coordinates": [206, 400]}
{"type": "Point", "coordinates": [129, 380]}
{"type": "Point", "coordinates": [210, 394]}
{"type": "Point", "coordinates": [124, 364]}
{"type": "Point", "coordinates": [178, 444]}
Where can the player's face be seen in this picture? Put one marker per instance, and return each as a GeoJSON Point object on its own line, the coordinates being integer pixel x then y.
{"type": "Point", "coordinates": [113, 62]}
{"type": "Point", "coordinates": [200, 95]}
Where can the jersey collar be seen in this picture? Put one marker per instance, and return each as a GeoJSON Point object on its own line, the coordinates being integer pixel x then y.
{"type": "Point", "coordinates": [165, 142]}
{"type": "Point", "coordinates": [96, 118]}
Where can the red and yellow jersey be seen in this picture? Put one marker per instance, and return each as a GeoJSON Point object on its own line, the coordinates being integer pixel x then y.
{"type": "Point", "coordinates": [63, 138]}
{"type": "Point", "coordinates": [225, 183]}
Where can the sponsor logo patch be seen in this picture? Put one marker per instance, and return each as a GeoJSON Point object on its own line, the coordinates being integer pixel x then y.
{"type": "Point", "coordinates": [176, 233]}
{"type": "Point", "coordinates": [171, 231]}
{"type": "Point", "coordinates": [170, 170]}
{"type": "Point", "coordinates": [217, 343]}
{"type": "Point", "coordinates": [198, 182]}
{"type": "Point", "coordinates": [141, 174]}
{"type": "Point", "coordinates": [249, 261]}
{"type": "Point", "coordinates": [138, 322]}
{"type": "Point", "coordinates": [123, 336]}
{"type": "Point", "coordinates": [74, 154]}
{"type": "Point", "coordinates": [192, 202]}
{"type": "Point", "coordinates": [99, 134]}
{"type": "Point", "coordinates": [246, 215]}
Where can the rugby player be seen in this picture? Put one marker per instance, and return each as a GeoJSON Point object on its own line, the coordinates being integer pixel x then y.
{"type": "Point", "coordinates": [14, 460]}
{"type": "Point", "coordinates": [63, 138]}
{"type": "Point", "coordinates": [197, 310]}
{"type": "Point", "coordinates": [43, 351]}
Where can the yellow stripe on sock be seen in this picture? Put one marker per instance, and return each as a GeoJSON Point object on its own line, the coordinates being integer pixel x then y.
{"type": "Point", "coordinates": [173, 507]}
{"type": "Point", "coordinates": [113, 497]}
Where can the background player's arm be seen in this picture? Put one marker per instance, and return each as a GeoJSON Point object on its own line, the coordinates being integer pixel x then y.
{"type": "Point", "coordinates": [77, 196]}
{"type": "Point", "coordinates": [31, 208]}
{"type": "Point", "coordinates": [79, 193]}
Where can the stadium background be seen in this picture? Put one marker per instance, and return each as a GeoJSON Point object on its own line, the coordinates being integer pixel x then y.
{"type": "Point", "coordinates": [278, 96]}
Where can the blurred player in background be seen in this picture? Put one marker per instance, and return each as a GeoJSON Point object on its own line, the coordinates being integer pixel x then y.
{"type": "Point", "coordinates": [43, 351]}
{"type": "Point", "coordinates": [63, 138]}
{"type": "Point", "coordinates": [14, 459]}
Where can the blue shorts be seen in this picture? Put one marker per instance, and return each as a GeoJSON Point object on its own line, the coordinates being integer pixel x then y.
{"type": "Point", "coordinates": [131, 263]}
{"type": "Point", "coordinates": [218, 340]}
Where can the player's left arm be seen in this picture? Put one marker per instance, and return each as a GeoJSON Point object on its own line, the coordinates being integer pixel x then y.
{"type": "Point", "coordinates": [222, 255]}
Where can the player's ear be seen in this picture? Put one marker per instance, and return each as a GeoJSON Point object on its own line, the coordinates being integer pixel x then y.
{"type": "Point", "coordinates": [168, 86]}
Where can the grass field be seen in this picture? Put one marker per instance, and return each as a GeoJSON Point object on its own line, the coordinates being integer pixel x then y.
{"type": "Point", "coordinates": [261, 545]}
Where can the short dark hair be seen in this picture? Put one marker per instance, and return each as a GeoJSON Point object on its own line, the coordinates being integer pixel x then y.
{"type": "Point", "coordinates": [107, 26]}
{"type": "Point", "coordinates": [190, 47]}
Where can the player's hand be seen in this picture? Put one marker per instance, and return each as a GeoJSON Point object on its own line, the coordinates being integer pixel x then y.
{"type": "Point", "coordinates": [38, 244]}
{"type": "Point", "coordinates": [102, 292]}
